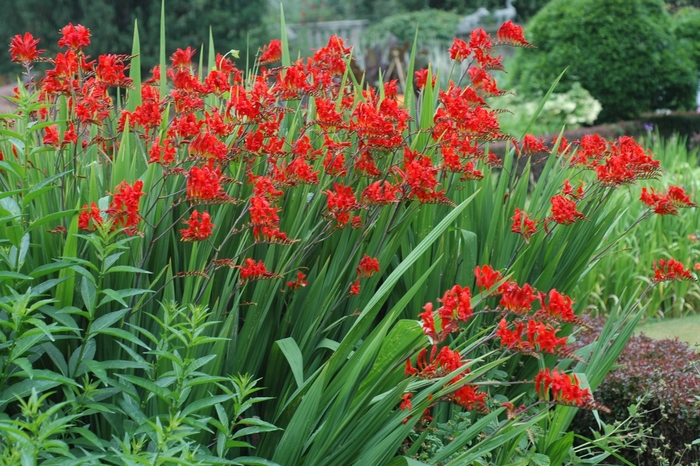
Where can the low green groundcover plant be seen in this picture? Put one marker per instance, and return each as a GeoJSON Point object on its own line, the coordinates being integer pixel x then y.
{"type": "Point", "coordinates": [202, 267]}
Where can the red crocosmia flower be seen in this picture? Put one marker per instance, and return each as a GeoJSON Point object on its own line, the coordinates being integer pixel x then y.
{"type": "Point", "coordinates": [124, 208]}
{"type": "Point", "coordinates": [406, 403]}
{"type": "Point", "coordinates": [110, 71]}
{"type": "Point", "coordinates": [74, 37]}
{"type": "Point", "coordinates": [381, 193]}
{"type": "Point", "coordinates": [568, 190]}
{"type": "Point", "coordinates": [334, 164]}
{"type": "Point", "coordinates": [563, 145]}
{"type": "Point", "coordinates": [456, 307]}
{"type": "Point", "coordinates": [299, 283]}
{"type": "Point", "coordinates": [23, 49]}
{"type": "Point", "coordinates": [368, 267]}
{"type": "Point", "coordinates": [512, 34]}
{"type": "Point", "coordinates": [558, 307]}
{"type": "Point", "coordinates": [669, 270]}
{"type": "Point", "coordinates": [356, 222]}
{"type": "Point", "coordinates": [564, 210]}
{"type": "Point", "coordinates": [668, 202]}
{"type": "Point", "coordinates": [163, 154]}
{"type": "Point", "coordinates": [339, 203]}
{"type": "Point", "coordinates": [422, 78]}
{"type": "Point", "coordinates": [486, 277]}
{"type": "Point", "coordinates": [564, 389]}
{"type": "Point", "coordinates": [510, 338]}
{"type": "Point", "coordinates": [624, 162]}
{"type": "Point", "coordinates": [428, 322]}
{"type": "Point", "coordinates": [183, 58]}
{"type": "Point", "coordinates": [679, 198]}
{"type": "Point", "coordinates": [51, 136]}
{"type": "Point", "coordinates": [697, 266]}
{"type": "Point", "coordinates": [252, 270]}
{"type": "Point", "coordinates": [531, 145]}
{"type": "Point", "coordinates": [271, 53]}
{"type": "Point", "coordinates": [327, 116]}
{"type": "Point", "coordinates": [200, 227]}
{"type": "Point", "coordinates": [459, 50]}
{"type": "Point", "coordinates": [204, 183]}
{"type": "Point", "coordinates": [470, 399]}
{"type": "Point", "coordinates": [480, 39]}
{"type": "Point", "coordinates": [523, 224]}
{"type": "Point", "coordinates": [516, 299]}
{"type": "Point", "coordinates": [90, 217]}
{"type": "Point", "coordinates": [70, 137]}
{"type": "Point", "coordinates": [354, 288]}
{"type": "Point", "coordinates": [543, 338]}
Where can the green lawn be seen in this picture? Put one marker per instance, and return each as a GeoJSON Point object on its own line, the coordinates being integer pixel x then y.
{"type": "Point", "coordinates": [686, 329]}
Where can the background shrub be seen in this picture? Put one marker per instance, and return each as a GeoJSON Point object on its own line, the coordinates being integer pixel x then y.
{"type": "Point", "coordinates": [667, 373]}
{"type": "Point", "coordinates": [622, 51]}
{"type": "Point", "coordinates": [434, 25]}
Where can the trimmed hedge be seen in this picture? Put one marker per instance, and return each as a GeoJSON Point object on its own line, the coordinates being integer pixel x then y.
{"type": "Point", "coordinates": [622, 51]}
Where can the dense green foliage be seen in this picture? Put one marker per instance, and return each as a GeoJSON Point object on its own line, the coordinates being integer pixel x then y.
{"type": "Point", "coordinates": [622, 51]}
{"type": "Point", "coordinates": [111, 23]}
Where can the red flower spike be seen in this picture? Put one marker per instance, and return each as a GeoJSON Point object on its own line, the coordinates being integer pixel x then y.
{"type": "Point", "coordinates": [183, 58]}
{"type": "Point", "coordinates": [271, 52]}
{"type": "Point", "coordinates": [625, 161]}
{"type": "Point", "coordinates": [568, 190]}
{"type": "Point", "coordinates": [74, 37]}
{"type": "Point", "coordinates": [558, 307]}
{"type": "Point", "coordinates": [23, 49]}
{"type": "Point", "coordinates": [428, 322]}
{"type": "Point", "coordinates": [510, 338]}
{"type": "Point", "coordinates": [564, 210]}
{"type": "Point", "coordinates": [456, 307]}
{"type": "Point", "coordinates": [51, 136]}
{"type": "Point", "coordinates": [368, 267]}
{"type": "Point", "coordinates": [523, 225]}
{"type": "Point", "coordinates": [531, 146]}
{"type": "Point", "coordinates": [564, 389]}
{"type": "Point", "coordinates": [255, 271]}
{"type": "Point", "coordinates": [124, 208]}
{"type": "Point", "coordinates": [299, 283]}
{"type": "Point", "coordinates": [164, 154]}
{"type": "Point", "coordinates": [406, 403]}
{"type": "Point", "coordinates": [90, 217]}
{"type": "Point", "coordinates": [204, 183]}
{"type": "Point", "coordinates": [422, 79]}
{"type": "Point", "coordinates": [200, 227]}
{"type": "Point", "coordinates": [667, 203]}
{"type": "Point", "coordinates": [354, 288]}
{"type": "Point", "coordinates": [471, 400]}
{"type": "Point", "coordinates": [486, 277]}
{"type": "Point", "coordinates": [459, 50]}
{"type": "Point", "coordinates": [512, 34]}
{"type": "Point", "coordinates": [670, 270]}
{"type": "Point", "coordinates": [515, 299]}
